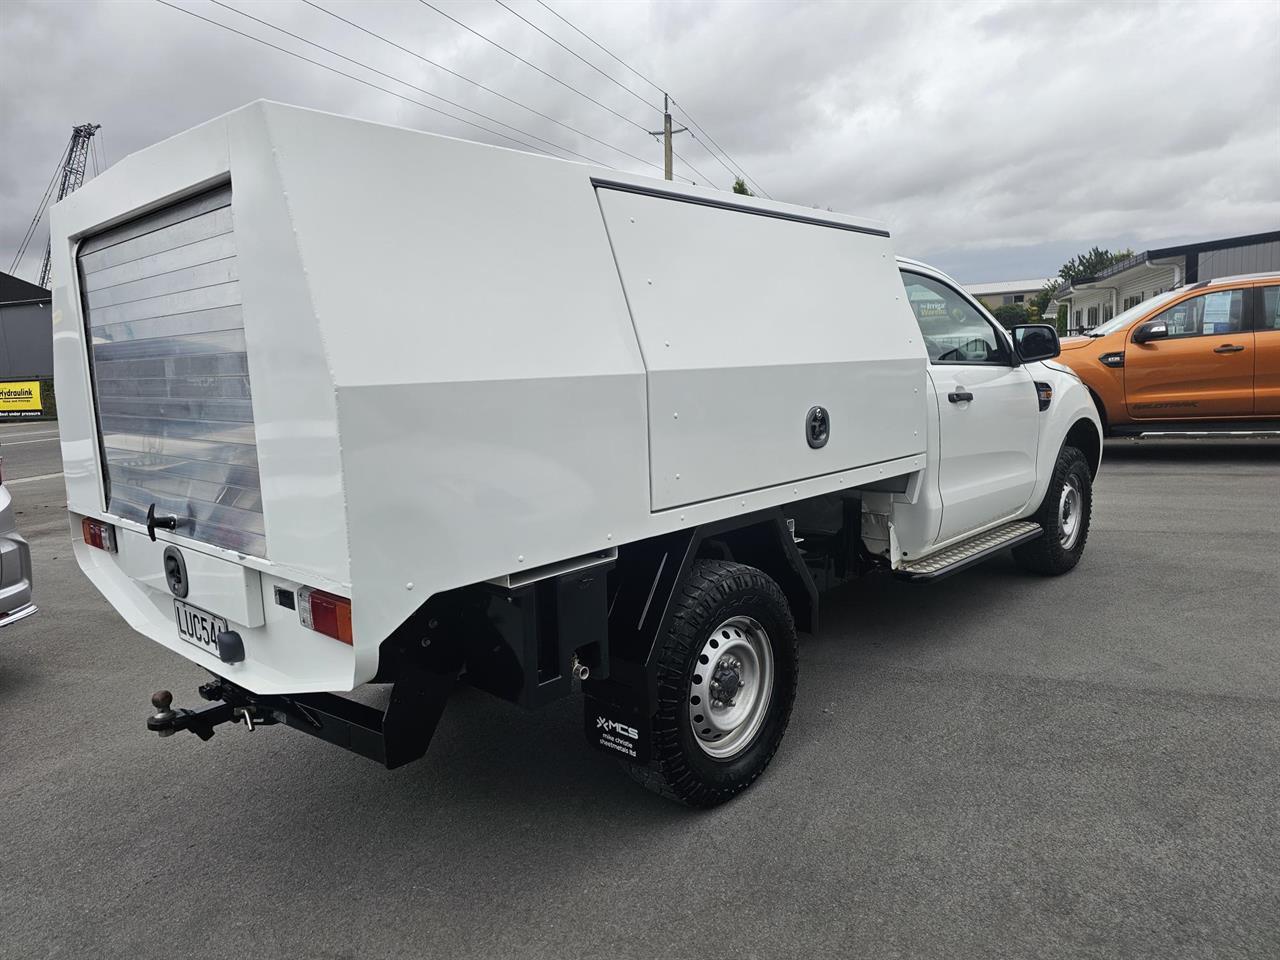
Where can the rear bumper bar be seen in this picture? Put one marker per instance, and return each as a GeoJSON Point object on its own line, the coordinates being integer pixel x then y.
{"type": "Point", "coordinates": [393, 737]}
{"type": "Point", "coordinates": [21, 613]}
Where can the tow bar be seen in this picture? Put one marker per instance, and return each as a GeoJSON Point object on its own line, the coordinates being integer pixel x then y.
{"type": "Point", "coordinates": [166, 721]}
{"type": "Point", "coordinates": [392, 737]}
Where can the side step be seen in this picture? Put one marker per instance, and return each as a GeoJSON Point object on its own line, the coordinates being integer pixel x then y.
{"type": "Point", "coordinates": [968, 552]}
{"type": "Point", "coordinates": [1178, 429]}
{"type": "Point", "coordinates": [1217, 434]}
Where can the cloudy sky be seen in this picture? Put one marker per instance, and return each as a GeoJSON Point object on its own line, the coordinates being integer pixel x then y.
{"type": "Point", "coordinates": [995, 139]}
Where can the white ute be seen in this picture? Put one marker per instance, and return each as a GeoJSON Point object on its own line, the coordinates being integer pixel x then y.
{"type": "Point", "coordinates": [343, 403]}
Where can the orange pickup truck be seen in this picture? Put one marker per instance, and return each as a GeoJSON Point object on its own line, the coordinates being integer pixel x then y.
{"type": "Point", "coordinates": [1201, 358]}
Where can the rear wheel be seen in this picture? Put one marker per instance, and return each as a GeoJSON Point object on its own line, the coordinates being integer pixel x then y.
{"type": "Point", "coordinates": [1064, 516]}
{"type": "Point", "coordinates": [726, 673]}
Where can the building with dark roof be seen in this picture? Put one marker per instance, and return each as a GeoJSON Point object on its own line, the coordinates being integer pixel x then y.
{"type": "Point", "coordinates": [1130, 282]}
{"type": "Point", "coordinates": [26, 333]}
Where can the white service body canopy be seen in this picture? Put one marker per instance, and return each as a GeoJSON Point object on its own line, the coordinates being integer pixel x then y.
{"type": "Point", "coordinates": [467, 362]}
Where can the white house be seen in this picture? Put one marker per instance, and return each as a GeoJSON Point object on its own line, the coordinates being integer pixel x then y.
{"type": "Point", "coordinates": [1130, 282]}
{"type": "Point", "coordinates": [1004, 292]}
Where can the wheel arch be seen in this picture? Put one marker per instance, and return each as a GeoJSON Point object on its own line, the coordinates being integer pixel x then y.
{"type": "Point", "coordinates": [1102, 410]}
{"type": "Point", "coordinates": [642, 598]}
{"type": "Point", "coordinates": [648, 572]}
{"type": "Point", "coordinates": [769, 546]}
{"type": "Point", "coordinates": [1084, 436]}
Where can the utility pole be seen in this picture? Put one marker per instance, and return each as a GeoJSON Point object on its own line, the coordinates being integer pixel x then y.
{"type": "Point", "coordinates": [72, 177]}
{"type": "Point", "coordinates": [665, 133]}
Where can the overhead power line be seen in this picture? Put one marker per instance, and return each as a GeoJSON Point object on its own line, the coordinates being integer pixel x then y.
{"type": "Point", "coordinates": [396, 79]}
{"type": "Point", "coordinates": [666, 145]}
{"type": "Point", "coordinates": [594, 42]}
{"type": "Point", "coordinates": [532, 66]}
{"type": "Point", "coordinates": [740, 171]}
{"type": "Point", "coordinates": [574, 53]}
{"type": "Point", "coordinates": [341, 73]}
{"type": "Point", "coordinates": [476, 83]}
{"type": "Point", "coordinates": [697, 126]}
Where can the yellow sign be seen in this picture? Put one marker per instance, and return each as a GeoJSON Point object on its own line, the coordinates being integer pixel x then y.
{"type": "Point", "coordinates": [20, 398]}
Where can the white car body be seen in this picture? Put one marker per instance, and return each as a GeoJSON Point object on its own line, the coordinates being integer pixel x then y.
{"type": "Point", "coordinates": [15, 566]}
{"type": "Point", "coordinates": [999, 454]}
{"type": "Point", "coordinates": [469, 366]}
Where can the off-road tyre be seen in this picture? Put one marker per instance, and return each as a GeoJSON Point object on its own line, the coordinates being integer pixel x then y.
{"type": "Point", "coordinates": [1048, 555]}
{"type": "Point", "coordinates": [713, 592]}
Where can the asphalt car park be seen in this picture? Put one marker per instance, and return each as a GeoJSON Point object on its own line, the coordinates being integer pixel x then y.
{"type": "Point", "coordinates": [995, 765]}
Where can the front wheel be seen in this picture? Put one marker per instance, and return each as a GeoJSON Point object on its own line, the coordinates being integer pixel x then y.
{"type": "Point", "coordinates": [726, 671]}
{"type": "Point", "coordinates": [1064, 516]}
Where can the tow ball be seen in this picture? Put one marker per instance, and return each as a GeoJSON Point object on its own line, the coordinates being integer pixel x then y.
{"type": "Point", "coordinates": [167, 721]}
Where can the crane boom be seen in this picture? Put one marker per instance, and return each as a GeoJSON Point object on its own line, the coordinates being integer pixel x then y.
{"type": "Point", "coordinates": [72, 177]}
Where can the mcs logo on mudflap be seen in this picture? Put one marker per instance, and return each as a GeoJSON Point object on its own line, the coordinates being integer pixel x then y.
{"type": "Point", "coordinates": [613, 726]}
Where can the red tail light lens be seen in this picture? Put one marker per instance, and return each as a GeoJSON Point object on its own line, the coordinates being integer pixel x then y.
{"type": "Point", "coordinates": [99, 534]}
{"type": "Point", "coordinates": [325, 613]}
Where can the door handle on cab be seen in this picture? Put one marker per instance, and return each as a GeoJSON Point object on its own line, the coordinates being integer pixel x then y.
{"type": "Point", "coordinates": [1228, 348]}
{"type": "Point", "coordinates": [960, 396]}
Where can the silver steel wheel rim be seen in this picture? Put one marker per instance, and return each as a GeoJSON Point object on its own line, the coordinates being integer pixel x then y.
{"type": "Point", "coordinates": [1069, 503]}
{"type": "Point", "coordinates": [726, 718]}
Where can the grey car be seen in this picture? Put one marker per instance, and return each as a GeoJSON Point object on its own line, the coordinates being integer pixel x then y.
{"type": "Point", "coordinates": [15, 566]}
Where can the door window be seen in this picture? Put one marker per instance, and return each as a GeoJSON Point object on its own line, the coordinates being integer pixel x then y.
{"type": "Point", "coordinates": [1206, 315]}
{"type": "Point", "coordinates": [953, 330]}
{"type": "Point", "coordinates": [1270, 319]}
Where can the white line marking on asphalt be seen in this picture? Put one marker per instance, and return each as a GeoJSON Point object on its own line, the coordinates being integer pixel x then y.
{"type": "Point", "coordinates": [43, 476]}
{"type": "Point", "coordinates": [28, 433]}
{"type": "Point", "coordinates": [18, 443]}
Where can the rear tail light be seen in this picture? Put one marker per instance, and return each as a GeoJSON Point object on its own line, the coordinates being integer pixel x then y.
{"type": "Point", "coordinates": [99, 534]}
{"type": "Point", "coordinates": [325, 613]}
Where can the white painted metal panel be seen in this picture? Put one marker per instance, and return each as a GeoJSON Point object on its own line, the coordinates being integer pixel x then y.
{"type": "Point", "coordinates": [987, 465]}
{"type": "Point", "coordinates": [223, 586]}
{"type": "Point", "coordinates": [746, 322]}
{"type": "Point", "coordinates": [282, 656]}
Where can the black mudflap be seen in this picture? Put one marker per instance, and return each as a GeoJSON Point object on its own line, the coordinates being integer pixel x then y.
{"type": "Point", "coordinates": [617, 729]}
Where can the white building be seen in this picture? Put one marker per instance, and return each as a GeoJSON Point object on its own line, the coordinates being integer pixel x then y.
{"type": "Point", "coordinates": [1130, 282]}
{"type": "Point", "coordinates": [1004, 292]}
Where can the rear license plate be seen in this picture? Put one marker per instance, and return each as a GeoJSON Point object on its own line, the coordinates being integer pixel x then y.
{"type": "Point", "coordinates": [198, 627]}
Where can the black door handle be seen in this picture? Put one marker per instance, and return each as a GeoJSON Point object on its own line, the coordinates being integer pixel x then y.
{"type": "Point", "coordinates": [1228, 348]}
{"type": "Point", "coordinates": [165, 523]}
{"type": "Point", "coordinates": [960, 396]}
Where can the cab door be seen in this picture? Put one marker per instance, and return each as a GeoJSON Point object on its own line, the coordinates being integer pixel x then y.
{"type": "Point", "coordinates": [988, 411]}
{"type": "Point", "coordinates": [1201, 368]}
{"type": "Point", "coordinates": [1266, 347]}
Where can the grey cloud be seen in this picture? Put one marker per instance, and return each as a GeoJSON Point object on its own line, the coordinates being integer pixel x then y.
{"type": "Point", "coordinates": [995, 139]}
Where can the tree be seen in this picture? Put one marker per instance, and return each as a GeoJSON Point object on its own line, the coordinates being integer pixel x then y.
{"type": "Point", "coordinates": [740, 186]}
{"type": "Point", "coordinates": [1090, 264]}
{"type": "Point", "coordinates": [1011, 314]}
{"type": "Point", "coordinates": [1041, 299]}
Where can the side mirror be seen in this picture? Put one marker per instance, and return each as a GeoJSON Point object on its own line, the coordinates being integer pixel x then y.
{"type": "Point", "coordinates": [1036, 341]}
{"type": "Point", "coordinates": [1151, 330]}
